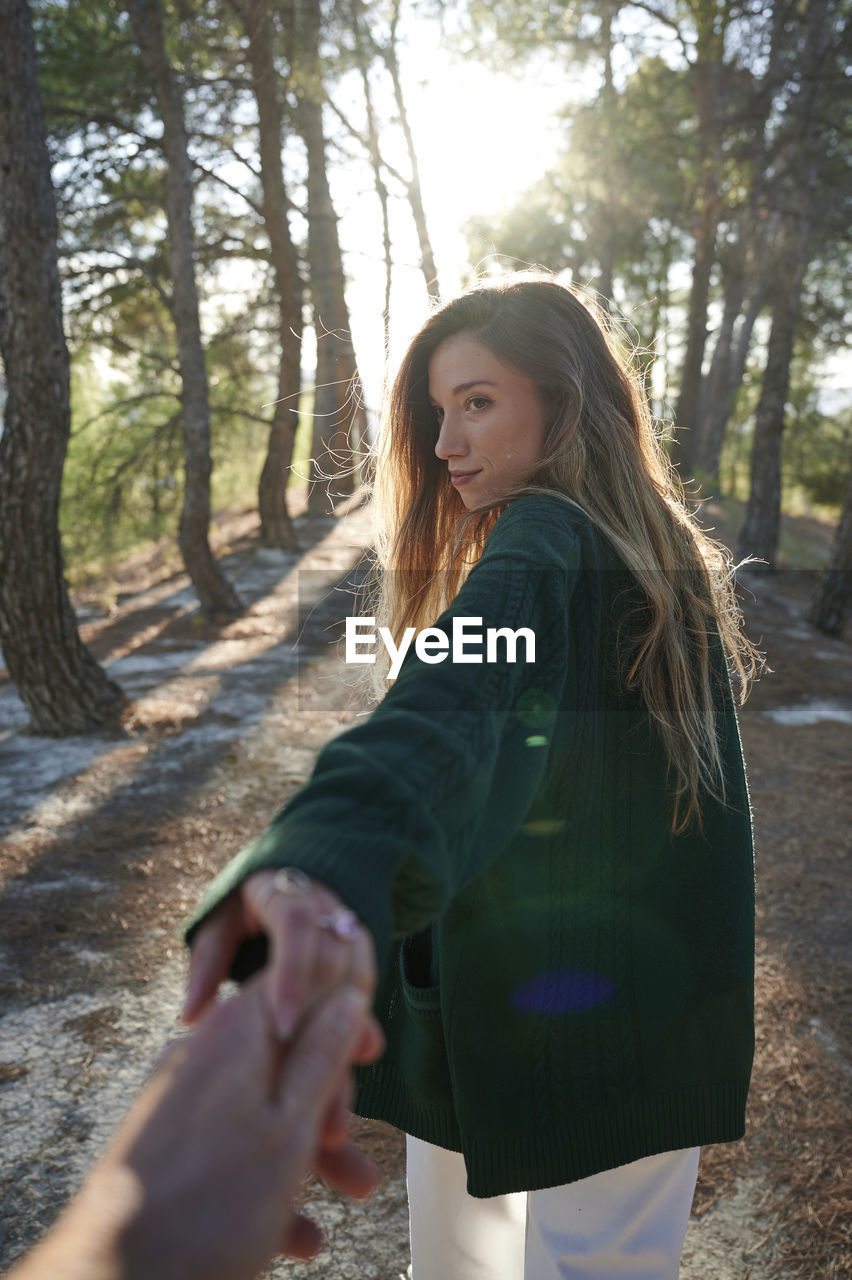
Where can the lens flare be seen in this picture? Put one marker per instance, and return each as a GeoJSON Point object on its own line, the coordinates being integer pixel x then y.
{"type": "Point", "coordinates": [562, 991]}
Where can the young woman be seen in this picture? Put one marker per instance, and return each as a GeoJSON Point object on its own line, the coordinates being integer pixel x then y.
{"type": "Point", "coordinates": [549, 844]}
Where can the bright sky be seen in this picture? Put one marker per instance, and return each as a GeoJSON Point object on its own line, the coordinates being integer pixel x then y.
{"type": "Point", "coordinates": [481, 139]}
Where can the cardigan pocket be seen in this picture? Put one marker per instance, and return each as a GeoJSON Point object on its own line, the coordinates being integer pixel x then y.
{"type": "Point", "coordinates": [421, 1049]}
{"type": "Point", "coordinates": [422, 1000]}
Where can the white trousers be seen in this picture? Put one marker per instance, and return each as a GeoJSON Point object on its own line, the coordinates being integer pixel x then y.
{"type": "Point", "coordinates": [625, 1224]}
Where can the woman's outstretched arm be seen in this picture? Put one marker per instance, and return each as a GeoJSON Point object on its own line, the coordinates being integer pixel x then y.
{"type": "Point", "coordinates": [406, 808]}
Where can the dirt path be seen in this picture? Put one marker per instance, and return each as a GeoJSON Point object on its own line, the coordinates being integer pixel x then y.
{"type": "Point", "coordinates": [108, 841]}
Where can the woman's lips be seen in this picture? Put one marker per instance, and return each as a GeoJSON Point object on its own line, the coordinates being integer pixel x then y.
{"type": "Point", "coordinates": [462, 477]}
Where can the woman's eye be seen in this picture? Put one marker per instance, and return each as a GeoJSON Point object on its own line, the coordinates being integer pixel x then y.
{"type": "Point", "coordinates": [478, 402]}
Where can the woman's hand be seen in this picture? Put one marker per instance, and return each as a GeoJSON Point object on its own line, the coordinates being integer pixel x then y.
{"type": "Point", "coordinates": [315, 944]}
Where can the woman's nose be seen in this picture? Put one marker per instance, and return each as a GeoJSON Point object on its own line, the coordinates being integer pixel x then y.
{"type": "Point", "coordinates": [450, 442]}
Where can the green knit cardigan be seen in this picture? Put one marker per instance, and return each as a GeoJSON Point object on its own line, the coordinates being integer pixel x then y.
{"type": "Point", "coordinates": [566, 986]}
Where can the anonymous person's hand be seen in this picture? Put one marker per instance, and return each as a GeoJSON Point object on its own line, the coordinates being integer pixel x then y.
{"type": "Point", "coordinates": [198, 1184]}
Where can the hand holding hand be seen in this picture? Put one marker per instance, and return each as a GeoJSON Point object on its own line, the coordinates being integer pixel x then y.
{"type": "Point", "coordinates": [315, 945]}
{"type": "Point", "coordinates": [199, 1182]}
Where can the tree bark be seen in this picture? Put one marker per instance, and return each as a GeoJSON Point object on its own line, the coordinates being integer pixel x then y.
{"type": "Point", "coordinates": [747, 277]}
{"type": "Point", "coordinates": [216, 595]}
{"type": "Point", "coordinates": [832, 601]}
{"type": "Point", "coordinates": [727, 368]}
{"type": "Point", "coordinates": [276, 526]}
{"type": "Point", "coordinates": [708, 204]}
{"type": "Point", "coordinates": [64, 689]}
{"type": "Point", "coordinates": [376, 163]}
{"type": "Point", "coordinates": [339, 417]}
{"type": "Point", "coordinates": [605, 245]}
{"type": "Point", "coordinates": [415, 191]}
{"type": "Point", "coordinates": [713, 408]}
{"type": "Point", "coordinates": [723, 390]}
{"type": "Point", "coordinates": [759, 534]}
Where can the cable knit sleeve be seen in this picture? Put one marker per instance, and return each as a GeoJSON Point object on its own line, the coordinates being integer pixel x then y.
{"type": "Point", "coordinates": [409, 806]}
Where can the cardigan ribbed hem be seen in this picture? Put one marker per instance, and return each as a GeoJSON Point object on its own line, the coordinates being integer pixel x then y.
{"type": "Point", "coordinates": [591, 1143]}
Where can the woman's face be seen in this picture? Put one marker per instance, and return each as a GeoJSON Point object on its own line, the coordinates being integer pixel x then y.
{"type": "Point", "coordinates": [491, 419]}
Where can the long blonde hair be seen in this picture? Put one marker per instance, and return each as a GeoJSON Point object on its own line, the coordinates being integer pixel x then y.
{"type": "Point", "coordinates": [604, 453]}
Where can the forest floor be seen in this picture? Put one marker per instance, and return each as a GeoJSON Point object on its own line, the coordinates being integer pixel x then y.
{"type": "Point", "coordinates": [108, 841]}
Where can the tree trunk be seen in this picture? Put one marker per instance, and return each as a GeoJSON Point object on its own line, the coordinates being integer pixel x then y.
{"type": "Point", "coordinates": [715, 384]}
{"type": "Point", "coordinates": [64, 689]}
{"type": "Point", "coordinates": [331, 460]}
{"type": "Point", "coordinates": [708, 208]}
{"type": "Point", "coordinates": [686, 410]}
{"type": "Point", "coordinates": [216, 595]}
{"type": "Point", "coordinates": [276, 527]}
{"type": "Point", "coordinates": [605, 240]}
{"type": "Point", "coordinates": [339, 418]}
{"type": "Point", "coordinates": [759, 534]}
{"type": "Point", "coordinates": [832, 600]}
{"type": "Point", "coordinates": [660, 330]}
{"type": "Point", "coordinates": [415, 191]}
{"type": "Point", "coordinates": [748, 274]}
{"type": "Point", "coordinates": [376, 163]}
{"type": "Point", "coordinates": [725, 379]}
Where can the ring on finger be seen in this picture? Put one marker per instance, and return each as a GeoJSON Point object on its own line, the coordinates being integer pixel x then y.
{"type": "Point", "coordinates": [342, 922]}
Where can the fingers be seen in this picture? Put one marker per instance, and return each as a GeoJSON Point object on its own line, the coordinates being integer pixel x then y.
{"type": "Point", "coordinates": [289, 921]}
{"type": "Point", "coordinates": [321, 1053]}
{"type": "Point", "coordinates": [372, 1043]}
{"type": "Point", "coordinates": [349, 1170]}
{"type": "Point", "coordinates": [334, 1129]}
{"type": "Point", "coordinates": [302, 1238]}
{"type": "Point", "coordinates": [332, 959]}
{"type": "Point", "coordinates": [213, 950]}
{"type": "Point", "coordinates": [315, 945]}
{"type": "Point", "coordinates": [362, 961]}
